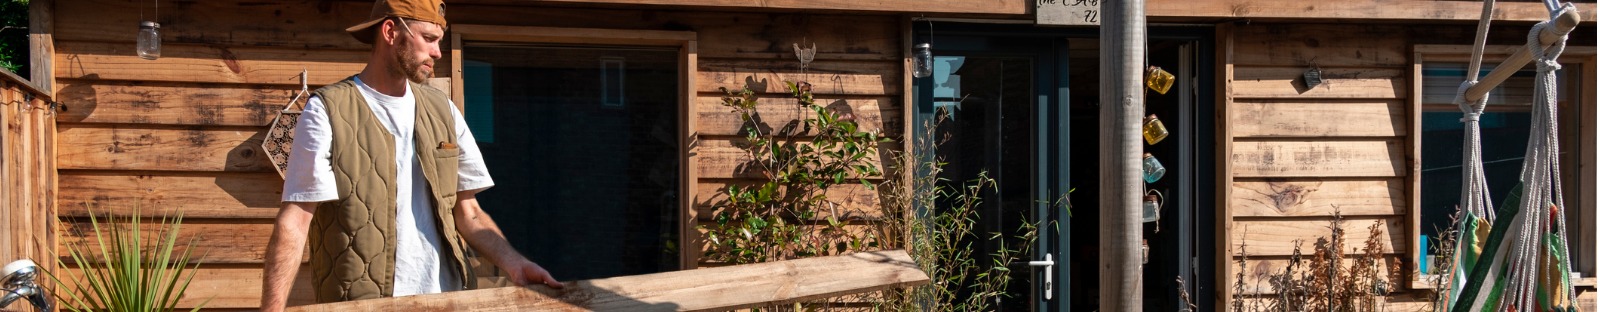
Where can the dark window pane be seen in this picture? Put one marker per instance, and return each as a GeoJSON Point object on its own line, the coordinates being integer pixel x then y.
{"type": "Point", "coordinates": [582, 143]}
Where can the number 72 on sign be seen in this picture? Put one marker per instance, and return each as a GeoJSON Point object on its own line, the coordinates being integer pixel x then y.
{"type": "Point", "coordinates": [1067, 12]}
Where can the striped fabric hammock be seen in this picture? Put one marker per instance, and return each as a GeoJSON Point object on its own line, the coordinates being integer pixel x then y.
{"type": "Point", "coordinates": [1514, 259]}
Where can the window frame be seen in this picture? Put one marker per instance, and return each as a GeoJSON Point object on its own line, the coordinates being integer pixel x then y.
{"type": "Point", "coordinates": [1581, 235]}
{"type": "Point", "coordinates": [688, 60]}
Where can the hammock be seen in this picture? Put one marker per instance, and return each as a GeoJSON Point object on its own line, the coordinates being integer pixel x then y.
{"type": "Point", "coordinates": [1513, 259]}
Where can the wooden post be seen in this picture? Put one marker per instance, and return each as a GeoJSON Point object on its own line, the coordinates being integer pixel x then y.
{"type": "Point", "coordinates": [42, 47]}
{"type": "Point", "coordinates": [1122, 57]}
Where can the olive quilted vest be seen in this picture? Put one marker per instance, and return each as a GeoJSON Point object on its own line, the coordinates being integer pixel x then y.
{"type": "Point", "coordinates": [353, 238]}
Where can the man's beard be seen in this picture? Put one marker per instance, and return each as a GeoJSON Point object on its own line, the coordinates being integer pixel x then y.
{"type": "Point", "coordinates": [410, 68]}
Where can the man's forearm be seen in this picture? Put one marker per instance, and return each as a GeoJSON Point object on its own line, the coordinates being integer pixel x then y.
{"type": "Point", "coordinates": [482, 233]}
{"type": "Point", "coordinates": [284, 251]}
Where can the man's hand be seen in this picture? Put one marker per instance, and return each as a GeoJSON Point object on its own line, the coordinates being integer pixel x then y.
{"type": "Point", "coordinates": [526, 273]}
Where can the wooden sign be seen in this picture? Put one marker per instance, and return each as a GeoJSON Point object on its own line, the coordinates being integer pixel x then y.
{"type": "Point", "coordinates": [1067, 12]}
{"type": "Point", "coordinates": [710, 289]}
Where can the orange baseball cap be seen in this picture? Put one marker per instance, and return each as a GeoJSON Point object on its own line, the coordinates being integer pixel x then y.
{"type": "Point", "coordinates": [431, 11]}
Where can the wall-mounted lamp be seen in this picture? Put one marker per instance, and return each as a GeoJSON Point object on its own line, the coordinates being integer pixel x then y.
{"type": "Point", "coordinates": [924, 61]}
{"type": "Point", "coordinates": [149, 40]}
{"type": "Point", "coordinates": [1313, 77]}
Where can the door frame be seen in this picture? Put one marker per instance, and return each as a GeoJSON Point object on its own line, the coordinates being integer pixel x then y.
{"type": "Point", "coordinates": [688, 63]}
{"type": "Point", "coordinates": [1198, 225]}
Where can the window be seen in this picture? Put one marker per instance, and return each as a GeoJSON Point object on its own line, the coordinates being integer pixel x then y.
{"type": "Point", "coordinates": [1504, 137]}
{"type": "Point", "coordinates": [584, 136]}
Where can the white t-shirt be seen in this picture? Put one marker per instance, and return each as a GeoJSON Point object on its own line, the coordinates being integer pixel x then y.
{"type": "Point", "coordinates": [418, 244]}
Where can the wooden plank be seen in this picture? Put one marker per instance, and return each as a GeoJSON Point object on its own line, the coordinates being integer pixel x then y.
{"type": "Point", "coordinates": [1260, 273]}
{"type": "Point", "coordinates": [503, 33]}
{"type": "Point", "coordinates": [723, 288]}
{"type": "Point", "coordinates": [1345, 158]}
{"type": "Point", "coordinates": [217, 241]}
{"type": "Point", "coordinates": [27, 172]}
{"type": "Point", "coordinates": [720, 34]}
{"type": "Point", "coordinates": [850, 201]}
{"type": "Point", "coordinates": [774, 112]}
{"type": "Point", "coordinates": [1414, 171]}
{"type": "Point", "coordinates": [227, 287]}
{"type": "Point", "coordinates": [1320, 44]}
{"type": "Point", "coordinates": [1396, 301]}
{"type": "Point", "coordinates": [827, 78]}
{"type": "Point", "coordinates": [688, 134]}
{"type": "Point", "coordinates": [1318, 119]}
{"type": "Point", "coordinates": [1430, 11]}
{"type": "Point", "coordinates": [41, 45]}
{"type": "Point", "coordinates": [199, 104]}
{"type": "Point", "coordinates": [881, 6]}
{"type": "Point", "coordinates": [293, 24]}
{"type": "Point", "coordinates": [1277, 237]}
{"type": "Point", "coordinates": [1224, 142]}
{"type": "Point", "coordinates": [120, 147]}
{"type": "Point", "coordinates": [849, 37]}
{"type": "Point", "coordinates": [196, 194]}
{"type": "Point", "coordinates": [721, 159]}
{"type": "Point", "coordinates": [217, 64]}
{"type": "Point", "coordinates": [1337, 83]}
{"type": "Point", "coordinates": [1317, 197]}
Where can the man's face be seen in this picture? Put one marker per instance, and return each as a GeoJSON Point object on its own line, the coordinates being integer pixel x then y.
{"type": "Point", "coordinates": [416, 47]}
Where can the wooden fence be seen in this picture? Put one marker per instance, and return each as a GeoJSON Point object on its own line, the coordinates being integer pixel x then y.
{"type": "Point", "coordinates": [27, 172]}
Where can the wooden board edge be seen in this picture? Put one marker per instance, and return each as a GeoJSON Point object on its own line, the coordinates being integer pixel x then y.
{"type": "Point", "coordinates": [908, 107]}
{"type": "Point", "coordinates": [688, 236]}
{"type": "Point", "coordinates": [1224, 216]}
{"type": "Point", "coordinates": [41, 38]}
{"type": "Point", "coordinates": [1413, 171]}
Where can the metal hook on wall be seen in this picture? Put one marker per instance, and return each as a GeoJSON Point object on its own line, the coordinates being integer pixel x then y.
{"type": "Point", "coordinates": [304, 91]}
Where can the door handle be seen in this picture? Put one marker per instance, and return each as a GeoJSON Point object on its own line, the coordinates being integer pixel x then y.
{"type": "Point", "coordinates": [1049, 265]}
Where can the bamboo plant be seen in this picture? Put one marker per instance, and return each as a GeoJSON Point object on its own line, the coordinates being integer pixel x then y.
{"type": "Point", "coordinates": [133, 271]}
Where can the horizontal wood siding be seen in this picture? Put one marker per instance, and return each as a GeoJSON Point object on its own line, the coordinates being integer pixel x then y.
{"type": "Point", "coordinates": [1292, 154]}
{"type": "Point", "coordinates": [1298, 153]}
{"type": "Point", "coordinates": [183, 132]}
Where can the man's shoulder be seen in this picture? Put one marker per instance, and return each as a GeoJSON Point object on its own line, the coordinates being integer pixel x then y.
{"type": "Point", "coordinates": [344, 85]}
{"type": "Point", "coordinates": [426, 91]}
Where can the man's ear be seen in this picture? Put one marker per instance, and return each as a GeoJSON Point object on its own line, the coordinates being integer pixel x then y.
{"type": "Point", "coordinates": [386, 32]}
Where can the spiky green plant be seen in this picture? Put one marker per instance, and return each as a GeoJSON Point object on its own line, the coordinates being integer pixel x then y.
{"type": "Point", "coordinates": [133, 272]}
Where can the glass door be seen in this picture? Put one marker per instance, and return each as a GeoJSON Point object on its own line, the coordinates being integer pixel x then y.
{"type": "Point", "coordinates": [1000, 109]}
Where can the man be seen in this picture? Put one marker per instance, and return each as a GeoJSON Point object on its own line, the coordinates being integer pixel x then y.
{"type": "Point", "coordinates": [382, 176]}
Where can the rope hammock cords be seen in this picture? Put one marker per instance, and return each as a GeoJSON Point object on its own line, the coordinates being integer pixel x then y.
{"type": "Point", "coordinates": [1513, 259]}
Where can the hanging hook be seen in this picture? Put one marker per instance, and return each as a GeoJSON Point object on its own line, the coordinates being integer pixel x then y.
{"type": "Point", "coordinates": [304, 91]}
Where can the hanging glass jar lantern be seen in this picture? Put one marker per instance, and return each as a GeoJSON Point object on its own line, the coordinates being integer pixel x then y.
{"type": "Point", "coordinates": [149, 40]}
{"type": "Point", "coordinates": [1153, 170]}
{"type": "Point", "coordinates": [923, 60]}
{"type": "Point", "coordinates": [1154, 130]}
{"type": "Point", "coordinates": [1152, 206]}
{"type": "Point", "coordinates": [1158, 80]}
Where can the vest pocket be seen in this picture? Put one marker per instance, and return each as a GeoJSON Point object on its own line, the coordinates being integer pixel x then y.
{"type": "Point", "coordinates": [447, 162]}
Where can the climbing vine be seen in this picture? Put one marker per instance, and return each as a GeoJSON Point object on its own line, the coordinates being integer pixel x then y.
{"type": "Point", "coordinates": [788, 213]}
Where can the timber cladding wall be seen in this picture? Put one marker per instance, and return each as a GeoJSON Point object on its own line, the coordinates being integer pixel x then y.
{"type": "Point", "coordinates": [184, 132]}
{"type": "Point", "coordinates": [1294, 152]}
{"type": "Point", "coordinates": [1291, 153]}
